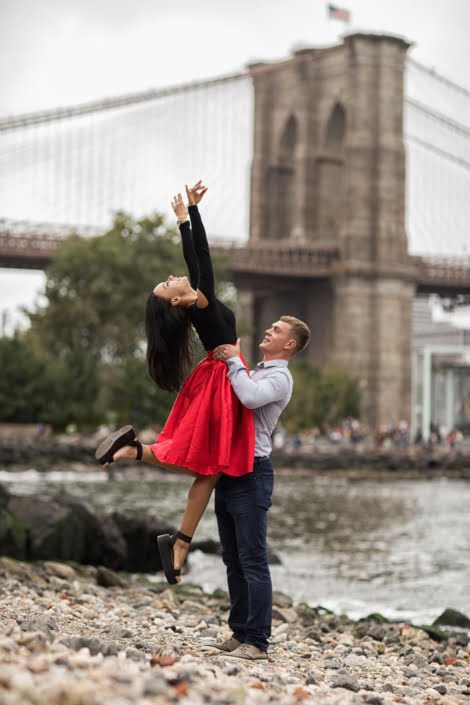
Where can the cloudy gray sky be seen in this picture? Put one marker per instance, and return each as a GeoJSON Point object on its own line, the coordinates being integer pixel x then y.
{"type": "Point", "coordinates": [60, 52]}
{"type": "Point", "coordinates": [56, 52]}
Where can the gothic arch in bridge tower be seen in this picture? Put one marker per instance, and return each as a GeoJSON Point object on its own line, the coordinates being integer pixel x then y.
{"type": "Point", "coordinates": [336, 126]}
{"type": "Point", "coordinates": [283, 180]}
{"type": "Point", "coordinates": [330, 175]}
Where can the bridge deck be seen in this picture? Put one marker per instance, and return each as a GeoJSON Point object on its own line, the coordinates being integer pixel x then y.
{"type": "Point", "coordinates": [446, 276]}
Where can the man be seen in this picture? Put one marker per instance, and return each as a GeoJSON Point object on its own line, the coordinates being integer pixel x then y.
{"type": "Point", "coordinates": [242, 503]}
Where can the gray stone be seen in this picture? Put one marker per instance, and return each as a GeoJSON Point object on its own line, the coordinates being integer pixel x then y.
{"type": "Point", "coordinates": [332, 663]}
{"type": "Point", "coordinates": [441, 689]}
{"type": "Point", "coordinates": [139, 533]}
{"type": "Point", "coordinates": [314, 635]}
{"type": "Point", "coordinates": [93, 644]}
{"type": "Point", "coordinates": [285, 614]}
{"type": "Point", "coordinates": [61, 570]}
{"type": "Point", "coordinates": [452, 618]}
{"type": "Point", "coordinates": [135, 655]}
{"type": "Point", "coordinates": [280, 599]}
{"type": "Point", "coordinates": [419, 661]}
{"type": "Point", "coordinates": [435, 657]}
{"type": "Point", "coordinates": [231, 669]}
{"type": "Point", "coordinates": [62, 528]}
{"type": "Point", "coordinates": [377, 632]}
{"type": "Point", "coordinates": [118, 632]}
{"type": "Point", "coordinates": [155, 685]}
{"type": "Point", "coordinates": [345, 681]}
{"type": "Point", "coordinates": [38, 625]}
{"type": "Point", "coordinates": [109, 578]}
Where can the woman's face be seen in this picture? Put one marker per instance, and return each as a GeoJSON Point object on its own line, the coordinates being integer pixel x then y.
{"type": "Point", "coordinates": [173, 287]}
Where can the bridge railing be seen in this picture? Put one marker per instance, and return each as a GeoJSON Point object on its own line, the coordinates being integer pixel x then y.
{"type": "Point", "coordinates": [436, 274]}
{"type": "Point", "coordinates": [30, 245]}
{"type": "Point", "coordinates": [274, 257]}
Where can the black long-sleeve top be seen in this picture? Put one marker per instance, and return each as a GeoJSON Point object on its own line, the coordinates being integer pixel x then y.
{"type": "Point", "coordinates": [216, 323]}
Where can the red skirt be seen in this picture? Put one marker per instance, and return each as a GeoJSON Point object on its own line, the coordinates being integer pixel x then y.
{"type": "Point", "coordinates": [208, 430]}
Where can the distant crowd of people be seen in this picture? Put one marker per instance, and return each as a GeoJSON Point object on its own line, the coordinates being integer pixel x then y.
{"type": "Point", "coordinates": [351, 431]}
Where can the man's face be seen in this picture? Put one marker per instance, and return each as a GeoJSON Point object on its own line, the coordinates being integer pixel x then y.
{"type": "Point", "coordinates": [277, 339]}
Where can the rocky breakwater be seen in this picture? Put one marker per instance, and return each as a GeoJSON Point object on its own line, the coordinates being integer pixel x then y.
{"type": "Point", "coordinates": [42, 454]}
{"type": "Point", "coordinates": [42, 526]}
{"type": "Point", "coordinates": [374, 462]}
{"type": "Point", "coordinates": [60, 527]}
{"type": "Point", "coordinates": [67, 640]}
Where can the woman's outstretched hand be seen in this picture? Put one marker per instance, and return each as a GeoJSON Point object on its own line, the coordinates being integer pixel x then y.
{"type": "Point", "coordinates": [195, 193]}
{"type": "Point", "coordinates": [179, 208]}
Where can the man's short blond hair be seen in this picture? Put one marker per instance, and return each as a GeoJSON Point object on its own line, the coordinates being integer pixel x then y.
{"type": "Point", "coordinates": [299, 330]}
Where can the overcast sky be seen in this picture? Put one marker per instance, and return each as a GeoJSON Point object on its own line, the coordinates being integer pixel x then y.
{"type": "Point", "coordinates": [61, 52]}
{"type": "Point", "coordinates": [56, 52]}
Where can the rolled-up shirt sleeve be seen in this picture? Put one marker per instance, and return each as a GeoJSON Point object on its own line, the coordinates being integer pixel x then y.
{"type": "Point", "coordinates": [252, 393]}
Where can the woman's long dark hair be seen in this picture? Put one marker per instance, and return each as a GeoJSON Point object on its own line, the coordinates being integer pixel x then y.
{"type": "Point", "coordinates": [169, 342]}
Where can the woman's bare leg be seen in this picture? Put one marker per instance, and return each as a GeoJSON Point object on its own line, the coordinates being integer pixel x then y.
{"type": "Point", "coordinates": [130, 453]}
{"type": "Point", "coordinates": [198, 498]}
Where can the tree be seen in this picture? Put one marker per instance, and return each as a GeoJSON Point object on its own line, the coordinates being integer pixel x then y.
{"type": "Point", "coordinates": [133, 397]}
{"type": "Point", "coordinates": [96, 287]}
{"type": "Point", "coordinates": [321, 397]}
{"type": "Point", "coordinates": [23, 384]}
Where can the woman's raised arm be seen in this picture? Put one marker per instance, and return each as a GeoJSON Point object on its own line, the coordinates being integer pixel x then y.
{"type": "Point", "coordinates": [181, 212]}
{"type": "Point", "coordinates": [201, 246]}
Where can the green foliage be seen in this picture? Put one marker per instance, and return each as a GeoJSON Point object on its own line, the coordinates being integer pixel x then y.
{"type": "Point", "coordinates": [132, 397]}
{"type": "Point", "coordinates": [96, 287]}
{"type": "Point", "coordinates": [73, 389]}
{"type": "Point", "coordinates": [37, 387]}
{"type": "Point", "coordinates": [321, 397]}
{"type": "Point", "coordinates": [23, 384]}
{"type": "Point", "coordinates": [83, 359]}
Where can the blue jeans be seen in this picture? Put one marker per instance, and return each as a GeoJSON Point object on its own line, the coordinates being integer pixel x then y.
{"type": "Point", "coordinates": [241, 507]}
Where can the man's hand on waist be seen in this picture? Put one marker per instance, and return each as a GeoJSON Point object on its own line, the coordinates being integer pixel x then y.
{"type": "Point", "coordinates": [225, 352]}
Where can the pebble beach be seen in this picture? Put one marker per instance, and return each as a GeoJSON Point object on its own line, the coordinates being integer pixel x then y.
{"type": "Point", "coordinates": [80, 635]}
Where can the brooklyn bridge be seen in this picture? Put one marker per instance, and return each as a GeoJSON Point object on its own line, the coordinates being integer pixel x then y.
{"type": "Point", "coordinates": [339, 182]}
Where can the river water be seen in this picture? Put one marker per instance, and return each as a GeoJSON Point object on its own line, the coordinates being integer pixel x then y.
{"type": "Point", "coordinates": [400, 547]}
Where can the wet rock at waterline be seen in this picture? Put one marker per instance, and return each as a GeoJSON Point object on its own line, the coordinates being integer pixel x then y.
{"type": "Point", "coordinates": [58, 527]}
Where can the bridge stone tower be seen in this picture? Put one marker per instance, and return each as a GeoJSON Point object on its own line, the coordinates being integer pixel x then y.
{"type": "Point", "coordinates": [328, 170]}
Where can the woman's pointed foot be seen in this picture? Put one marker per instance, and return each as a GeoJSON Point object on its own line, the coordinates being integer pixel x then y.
{"type": "Point", "coordinates": [119, 446]}
{"type": "Point", "coordinates": [173, 551]}
{"type": "Point", "coordinates": [124, 436]}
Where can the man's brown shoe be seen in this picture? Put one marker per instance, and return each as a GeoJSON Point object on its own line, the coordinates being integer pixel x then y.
{"type": "Point", "coordinates": [249, 653]}
{"type": "Point", "coordinates": [228, 645]}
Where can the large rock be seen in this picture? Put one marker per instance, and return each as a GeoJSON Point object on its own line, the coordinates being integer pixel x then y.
{"type": "Point", "coordinates": [43, 527]}
{"type": "Point", "coordinates": [61, 528]}
{"type": "Point", "coordinates": [4, 496]}
{"type": "Point", "coordinates": [452, 618]}
{"type": "Point", "coordinates": [140, 536]}
{"type": "Point", "coordinates": [12, 532]}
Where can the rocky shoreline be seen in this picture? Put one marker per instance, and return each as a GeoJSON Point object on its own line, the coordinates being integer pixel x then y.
{"type": "Point", "coordinates": [417, 462]}
{"type": "Point", "coordinates": [78, 635]}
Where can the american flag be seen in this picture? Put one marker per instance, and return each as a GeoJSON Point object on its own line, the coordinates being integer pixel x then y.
{"type": "Point", "coordinates": [338, 13]}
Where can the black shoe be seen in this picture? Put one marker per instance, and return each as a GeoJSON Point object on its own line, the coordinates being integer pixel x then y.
{"type": "Point", "coordinates": [165, 547]}
{"type": "Point", "coordinates": [125, 436]}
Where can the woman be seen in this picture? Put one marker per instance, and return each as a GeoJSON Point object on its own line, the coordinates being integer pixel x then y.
{"type": "Point", "coordinates": [208, 431]}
